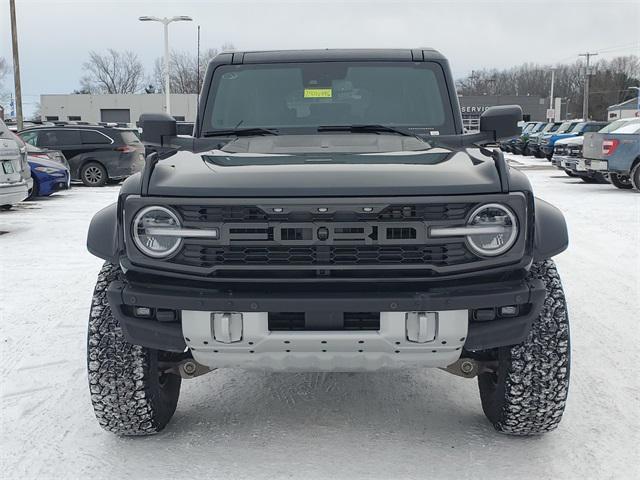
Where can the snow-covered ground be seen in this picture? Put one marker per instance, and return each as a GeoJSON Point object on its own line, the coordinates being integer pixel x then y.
{"type": "Point", "coordinates": [238, 424]}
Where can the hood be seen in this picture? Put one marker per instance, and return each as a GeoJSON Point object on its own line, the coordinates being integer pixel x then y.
{"type": "Point", "coordinates": [44, 162]}
{"type": "Point", "coordinates": [326, 166]}
{"type": "Point", "coordinates": [571, 141]}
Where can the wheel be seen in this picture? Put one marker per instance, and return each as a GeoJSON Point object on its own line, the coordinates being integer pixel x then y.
{"type": "Point", "coordinates": [93, 174]}
{"type": "Point", "coordinates": [527, 151]}
{"type": "Point", "coordinates": [620, 181]}
{"type": "Point", "coordinates": [539, 154]}
{"type": "Point", "coordinates": [570, 173]}
{"type": "Point", "coordinates": [528, 392]}
{"type": "Point", "coordinates": [549, 156]}
{"type": "Point", "coordinates": [130, 395]}
{"type": "Point", "coordinates": [35, 191]}
{"type": "Point", "coordinates": [5, 207]}
{"type": "Point", "coordinates": [635, 176]}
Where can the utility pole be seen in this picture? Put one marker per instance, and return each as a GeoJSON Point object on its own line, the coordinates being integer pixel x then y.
{"type": "Point", "coordinates": [16, 65]}
{"type": "Point", "coordinates": [587, 73]}
{"type": "Point", "coordinates": [553, 77]}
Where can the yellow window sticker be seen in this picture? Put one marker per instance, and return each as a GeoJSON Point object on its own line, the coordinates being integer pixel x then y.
{"type": "Point", "coordinates": [317, 93]}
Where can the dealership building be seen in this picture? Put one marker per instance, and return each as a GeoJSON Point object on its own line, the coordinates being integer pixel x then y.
{"type": "Point", "coordinates": [118, 108]}
{"type": "Point", "coordinates": [534, 108]}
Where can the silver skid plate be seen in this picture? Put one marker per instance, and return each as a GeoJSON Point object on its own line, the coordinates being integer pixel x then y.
{"type": "Point", "coordinates": [386, 348]}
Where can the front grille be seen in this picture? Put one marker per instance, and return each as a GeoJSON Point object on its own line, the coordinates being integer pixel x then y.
{"type": "Point", "coordinates": [194, 214]}
{"type": "Point", "coordinates": [437, 255]}
{"type": "Point", "coordinates": [302, 240]}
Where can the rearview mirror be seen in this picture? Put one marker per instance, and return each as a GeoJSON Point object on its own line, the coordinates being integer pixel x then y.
{"type": "Point", "coordinates": [157, 128]}
{"type": "Point", "coordinates": [501, 122]}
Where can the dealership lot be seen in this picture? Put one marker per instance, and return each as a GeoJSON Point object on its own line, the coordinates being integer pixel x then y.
{"type": "Point", "coordinates": [407, 424]}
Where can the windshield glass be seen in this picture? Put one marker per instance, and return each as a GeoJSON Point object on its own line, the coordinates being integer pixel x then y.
{"type": "Point", "coordinates": [303, 95]}
{"type": "Point", "coordinates": [564, 127]}
{"type": "Point", "coordinates": [573, 127]}
{"type": "Point", "coordinates": [617, 124]}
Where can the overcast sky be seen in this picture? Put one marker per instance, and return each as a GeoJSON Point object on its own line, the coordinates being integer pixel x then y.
{"type": "Point", "coordinates": [56, 35]}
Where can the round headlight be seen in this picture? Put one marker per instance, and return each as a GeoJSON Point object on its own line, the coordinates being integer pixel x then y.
{"type": "Point", "coordinates": [494, 241]}
{"type": "Point", "coordinates": [152, 228]}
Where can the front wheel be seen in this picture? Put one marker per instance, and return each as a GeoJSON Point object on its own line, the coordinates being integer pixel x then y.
{"type": "Point", "coordinates": [130, 393]}
{"type": "Point", "coordinates": [93, 174]}
{"type": "Point", "coordinates": [526, 395]}
{"type": "Point", "coordinates": [620, 181]}
{"type": "Point", "coordinates": [635, 176]}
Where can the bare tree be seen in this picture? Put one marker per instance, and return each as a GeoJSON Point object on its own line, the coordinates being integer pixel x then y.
{"type": "Point", "coordinates": [4, 71]}
{"type": "Point", "coordinates": [609, 85]}
{"type": "Point", "coordinates": [112, 72]}
{"type": "Point", "coordinates": [183, 69]}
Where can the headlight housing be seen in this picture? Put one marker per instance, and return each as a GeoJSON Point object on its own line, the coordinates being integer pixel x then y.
{"type": "Point", "coordinates": [489, 242]}
{"type": "Point", "coordinates": [152, 228]}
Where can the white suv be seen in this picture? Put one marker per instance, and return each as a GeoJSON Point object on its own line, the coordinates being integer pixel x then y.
{"type": "Point", "coordinates": [14, 174]}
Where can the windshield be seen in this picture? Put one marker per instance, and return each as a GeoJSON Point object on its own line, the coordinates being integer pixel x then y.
{"type": "Point", "coordinates": [564, 127]}
{"type": "Point", "coordinates": [573, 127]}
{"type": "Point", "coordinates": [617, 124]}
{"type": "Point", "coordinates": [308, 95]}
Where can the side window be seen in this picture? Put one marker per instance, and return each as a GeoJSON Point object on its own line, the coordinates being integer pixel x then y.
{"type": "Point", "coordinates": [93, 137]}
{"type": "Point", "coordinates": [67, 137]}
{"type": "Point", "coordinates": [30, 137]}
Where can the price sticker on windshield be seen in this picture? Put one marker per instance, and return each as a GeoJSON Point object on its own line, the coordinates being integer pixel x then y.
{"type": "Point", "coordinates": [318, 93]}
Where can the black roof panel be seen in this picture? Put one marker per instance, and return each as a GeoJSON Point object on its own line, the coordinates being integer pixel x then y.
{"type": "Point", "coordinates": [337, 55]}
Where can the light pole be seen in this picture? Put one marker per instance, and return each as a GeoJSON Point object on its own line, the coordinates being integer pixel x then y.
{"type": "Point", "coordinates": [166, 21]}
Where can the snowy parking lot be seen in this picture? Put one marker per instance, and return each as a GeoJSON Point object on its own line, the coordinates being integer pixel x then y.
{"type": "Point", "coordinates": [239, 424]}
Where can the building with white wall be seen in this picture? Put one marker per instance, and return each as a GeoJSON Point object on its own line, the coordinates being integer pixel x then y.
{"type": "Point", "coordinates": [120, 108]}
{"type": "Point", "coordinates": [630, 108]}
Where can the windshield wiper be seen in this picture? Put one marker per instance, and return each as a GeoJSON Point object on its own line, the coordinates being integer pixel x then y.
{"type": "Point", "coordinates": [364, 129]}
{"type": "Point", "coordinates": [240, 132]}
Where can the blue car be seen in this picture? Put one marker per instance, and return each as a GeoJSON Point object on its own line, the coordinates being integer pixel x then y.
{"type": "Point", "coordinates": [48, 176]}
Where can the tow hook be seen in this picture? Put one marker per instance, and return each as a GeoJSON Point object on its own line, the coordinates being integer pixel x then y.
{"type": "Point", "coordinates": [469, 368]}
{"type": "Point", "coordinates": [188, 368]}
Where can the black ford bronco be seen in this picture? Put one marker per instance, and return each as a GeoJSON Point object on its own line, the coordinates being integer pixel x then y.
{"type": "Point", "coordinates": [328, 214]}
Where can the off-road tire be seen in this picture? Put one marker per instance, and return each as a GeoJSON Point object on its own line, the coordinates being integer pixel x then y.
{"type": "Point", "coordinates": [128, 393]}
{"type": "Point", "coordinates": [635, 176]}
{"type": "Point", "coordinates": [93, 174]}
{"type": "Point", "coordinates": [527, 394]}
{"type": "Point", "coordinates": [620, 182]}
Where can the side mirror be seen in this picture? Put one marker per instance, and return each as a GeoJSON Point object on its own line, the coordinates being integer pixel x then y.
{"type": "Point", "coordinates": [501, 122]}
{"type": "Point", "coordinates": [157, 129]}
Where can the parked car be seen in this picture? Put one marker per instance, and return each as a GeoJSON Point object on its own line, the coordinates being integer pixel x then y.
{"type": "Point", "coordinates": [13, 187]}
{"type": "Point", "coordinates": [48, 175]}
{"type": "Point", "coordinates": [520, 144]}
{"type": "Point", "coordinates": [265, 256]}
{"type": "Point", "coordinates": [577, 128]}
{"type": "Point", "coordinates": [96, 154]}
{"type": "Point", "coordinates": [25, 171]}
{"type": "Point", "coordinates": [508, 145]}
{"type": "Point", "coordinates": [616, 152]}
{"type": "Point", "coordinates": [534, 143]}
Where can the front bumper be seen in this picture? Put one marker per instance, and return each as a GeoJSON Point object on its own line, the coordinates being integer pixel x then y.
{"type": "Point", "coordinates": [385, 347]}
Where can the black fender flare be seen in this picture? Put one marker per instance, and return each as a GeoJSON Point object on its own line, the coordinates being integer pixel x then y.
{"type": "Point", "coordinates": [102, 239]}
{"type": "Point", "coordinates": [551, 235]}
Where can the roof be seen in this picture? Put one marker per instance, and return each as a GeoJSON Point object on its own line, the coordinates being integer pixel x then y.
{"type": "Point", "coordinates": [630, 104]}
{"type": "Point", "coordinates": [389, 54]}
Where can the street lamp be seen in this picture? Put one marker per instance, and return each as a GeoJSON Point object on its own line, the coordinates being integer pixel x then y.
{"type": "Point", "coordinates": [166, 21]}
